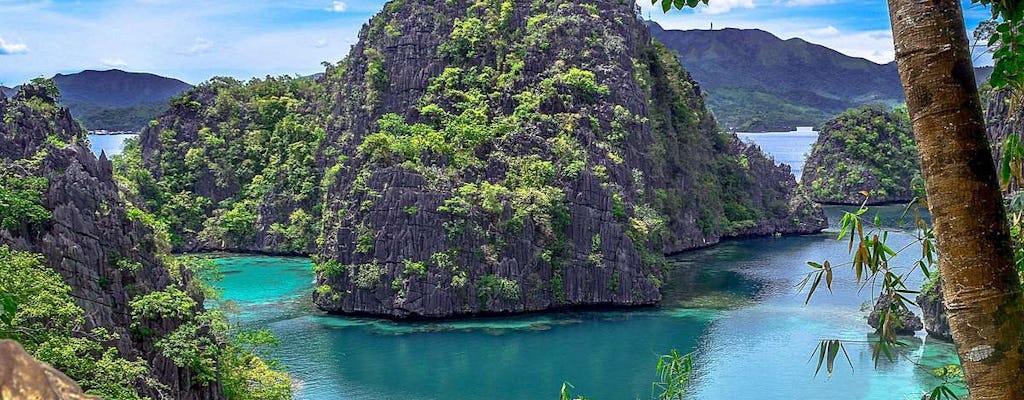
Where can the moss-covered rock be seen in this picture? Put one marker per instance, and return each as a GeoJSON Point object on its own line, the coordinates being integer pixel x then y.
{"type": "Point", "coordinates": [232, 166]}
{"type": "Point", "coordinates": [468, 157]}
{"type": "Point", "coordinates": [867, 149]}
{"type": "Point", "coordinates": [553, 153]}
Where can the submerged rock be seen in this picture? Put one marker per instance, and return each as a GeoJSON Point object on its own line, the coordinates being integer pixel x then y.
{"type": "Point", "coordinates": [906, 321]}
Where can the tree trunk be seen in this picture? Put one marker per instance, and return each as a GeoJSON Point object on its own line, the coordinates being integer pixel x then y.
{"type": "Point", "coordinates": [981, 286]}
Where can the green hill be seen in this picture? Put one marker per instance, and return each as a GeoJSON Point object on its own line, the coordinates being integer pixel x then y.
{"type": "Point", "coordinates": [758, 82]}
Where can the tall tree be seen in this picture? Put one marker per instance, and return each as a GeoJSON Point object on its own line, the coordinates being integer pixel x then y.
{"type": "Point", "coordinates": [981, 285]}
{"type": "Point", "coordinates": [980, 282]}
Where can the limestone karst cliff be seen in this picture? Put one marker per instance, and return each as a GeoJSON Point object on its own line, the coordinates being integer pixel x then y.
{"type": "Point", "coordinates": [868, 149]}
{"type": "Point", "coordinates": [509, 156]}
{"type": "Point", "coordinates": [101, 247]}
{"type": "Point", "coordinates": [467, 157]}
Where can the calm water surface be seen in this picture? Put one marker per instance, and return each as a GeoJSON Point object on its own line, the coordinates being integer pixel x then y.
{"type": "Point", "coordinates": [786, 147]}
{"type": "Point", "coordinates": [734, 305]}
{"type": "Point", "coordinates": [111, 144]}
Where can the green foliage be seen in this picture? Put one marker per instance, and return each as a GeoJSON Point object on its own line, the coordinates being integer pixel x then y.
{"type": "Point", "coordinates": [170, 303]}
{"type": "Point", "coordinates": [674, 373]}
{"type": "Point", "coordinates": [490, 288]}
{"type": "Point", "coordinates": [584, 82]}
{"type": "Point", "coordinates": [252, 143]}
{"type": "Point", "coordinates": [366, 276]}
{"type": "Point", "coordinates": [415, 268]}
{"type": "Point", "coordinates": [468, 36]}
{"type": "Point", "coordinates": [48, 86]}
{"type": "Point", "coordinates": [40, 313]}
{"type": "Point", "coordinates": [1004, 41]}
{"type": "Point", "coordinates": [21, 201]}
{"type": "Point", "coordinates": [329, 268]}
{"type": "Point", "coordinates": [864, 149]}
{"type": "Point", "coordinates": [249, 376]}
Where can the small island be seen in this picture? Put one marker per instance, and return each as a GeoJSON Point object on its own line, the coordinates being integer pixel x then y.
{"type": "Point", "coordinates": [866, 149]}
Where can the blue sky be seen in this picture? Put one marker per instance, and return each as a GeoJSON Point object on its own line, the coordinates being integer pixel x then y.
{"type": "Point", "coordinates": [196, 39]}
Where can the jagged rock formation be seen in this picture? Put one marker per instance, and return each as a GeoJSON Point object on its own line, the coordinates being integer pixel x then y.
{"type": "Point", "coordinates": [107, 256]}
{"type": "Point", "coordinates": [866, 149]}
{"type": "Point", "coordinates": [231, 166]}
{"type": "Point", "coordinates": [1004, 116]}
{"type": "Point", "coordinates": [509, 156]}
{"type": "Point", "coordinates": [934, 311]}
{"type": "Point", "coordinates": [906, 322]}
{"type": "Point", "coordinates": [24, 377]}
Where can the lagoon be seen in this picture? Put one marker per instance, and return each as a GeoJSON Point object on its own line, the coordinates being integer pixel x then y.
{"type": "Point", "coordinates": [735, 306]}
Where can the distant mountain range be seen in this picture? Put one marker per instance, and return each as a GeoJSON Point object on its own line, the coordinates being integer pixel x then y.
{"type": "Point", "coordinates": [757, 82]}
{"type": "Point", "coordinates": [115, 100]}
{"type": "Point", "coordinates": [754, 80]}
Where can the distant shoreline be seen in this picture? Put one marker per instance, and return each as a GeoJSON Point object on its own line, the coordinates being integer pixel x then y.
{"type": "Point", "coordinates": [102, 132]}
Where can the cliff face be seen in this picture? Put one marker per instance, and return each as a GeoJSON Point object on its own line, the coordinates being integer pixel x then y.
{"type": "Point", "coordinates": [231, 166]}
{"type": "Point", "coordinates": [509, 156]}
{"type": "Point", "coordinates": [934, 311]}
{"type": "Point", "coordinates": [865, 149]}
{"type": "Point", "coordinates": [104, 255]}
{"type": "Point", "coordinates": [1003, 117]}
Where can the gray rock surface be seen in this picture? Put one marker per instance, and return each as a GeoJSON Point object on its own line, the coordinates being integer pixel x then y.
{"type": "Point", "coordinates": [677, 151]}
{"type": "Point", "coordinates": [907, 321]}
{"type": "Point", "coordinates": [89, 233]}
{"type": "Point", "coordinates": [934, 312]}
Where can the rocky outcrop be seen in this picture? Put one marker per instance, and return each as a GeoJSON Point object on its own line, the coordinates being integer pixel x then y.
{"type": "Point", "coordinates": [511, 156]}
{"type": "Point", "coordinates": [868, 149]}
{"type": "Point", "coordinates": [934, 311]}
{"type": "Point", "coordinates": [1004, 116]}
{"type": "Point", "coordinates": [92, 240]}
{"type": "Point", "coordinates": [468, 157]}
{"type": "Point", "coordinates": [24, 377]}
{"type": "Point", "coordinates": [906, 321]}
{"type": "Point", "coordinates": [236, 167]}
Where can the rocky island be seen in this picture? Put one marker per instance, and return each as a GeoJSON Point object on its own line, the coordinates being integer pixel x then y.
{"type": "Point", "coordinates": [868, 149]}
{"type": "Point", "coordinates": [434, 174]}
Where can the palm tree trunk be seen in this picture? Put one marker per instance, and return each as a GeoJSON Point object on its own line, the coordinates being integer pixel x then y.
{"type": "Point", "coordinates": [981, 285]}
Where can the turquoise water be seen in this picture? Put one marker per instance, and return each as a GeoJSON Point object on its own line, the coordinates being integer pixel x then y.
{"type": "Point", "coordinates": [111, 144]}
{"type": "Point", "coordinates": [735, 305]}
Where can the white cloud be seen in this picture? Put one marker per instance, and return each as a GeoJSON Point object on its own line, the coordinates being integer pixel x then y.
{"type": "Point", "coordinates": [320, 43]}
{"type": "Point", "coordinates": [876, 46]}
{"type": "Point", "coordinates": [338, 6]}
{"type": "Point", "coordinates": [724, 6]}
{"type": "Point", "coordinates": [827, 31]}
{"type": "Point", "coordinates": [200, 46]}
{"type": "Point", "coordinates": [114, 62]}
{"type": "Point", "coordinates": [12, 48]}
{"type": "Point", "coordinates": [714, 7]}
